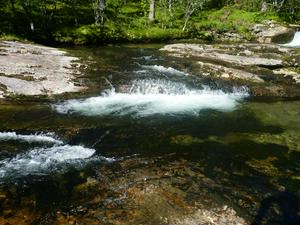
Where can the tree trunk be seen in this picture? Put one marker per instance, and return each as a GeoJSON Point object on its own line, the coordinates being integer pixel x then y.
{"type": "Point", "coordinates": [99, 11]}
{"type": "Point", "coordinates": [74, 12]}
{"type": "Point", "coordinates": [152, 11]}
{"type": "Point", "coordinates": [171, 13]}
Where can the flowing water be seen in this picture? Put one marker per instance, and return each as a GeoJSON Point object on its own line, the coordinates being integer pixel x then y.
{"type": "Point", "coordinates": [146, 111]}
{"type": "Point", "coordinates": [295, 43]}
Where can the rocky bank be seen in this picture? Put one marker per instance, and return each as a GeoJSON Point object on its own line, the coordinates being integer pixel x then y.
{"type": "Point", "coordinates": [267, 69]}
{"type": "Point", "coordinates": [29, 69]}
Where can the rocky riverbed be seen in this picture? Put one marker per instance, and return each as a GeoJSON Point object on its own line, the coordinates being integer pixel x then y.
{"type": "Point", "coordinates": [134, 191]}
{"type": "Point", "coordinates": [29, 70]}
{"type": "Point", "coordinates": [152, 165]}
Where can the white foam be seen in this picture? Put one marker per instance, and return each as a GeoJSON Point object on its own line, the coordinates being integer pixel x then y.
{"type": "Point", "coordinates": [48, 137]}
{"type": "Point", "coordinates": [148, 97]}
{"type": "Point", "coordinates": [46, 160]}
{"type": "Point", "coordinates": [295, 42]}
{"type": "Point", "coordinates": [162, 69]}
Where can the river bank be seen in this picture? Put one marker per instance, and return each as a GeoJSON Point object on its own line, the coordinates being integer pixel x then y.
{"type": "Point", "coordinates": [33, 70]}
{"type": "Point", "coordinates": [268, 70]}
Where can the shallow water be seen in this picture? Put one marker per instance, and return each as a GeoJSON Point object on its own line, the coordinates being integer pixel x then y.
{"type": "Point", "coordinates": [145, 106]}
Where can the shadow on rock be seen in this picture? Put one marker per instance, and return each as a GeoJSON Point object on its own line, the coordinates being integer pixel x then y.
{"type": "Point", "coordinates": [288, 205]}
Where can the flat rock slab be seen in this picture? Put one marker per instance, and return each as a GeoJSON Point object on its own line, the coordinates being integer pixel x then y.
{"type": "Point", "coordinates": [29, 69]}
{"type": "Point", "coordinates": [267, 69]}
{"type": "Point", "coordinates": [227, 54]}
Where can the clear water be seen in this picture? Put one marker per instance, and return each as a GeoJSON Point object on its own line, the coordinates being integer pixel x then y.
{"type": "Point", "coordinates": [167, 113]}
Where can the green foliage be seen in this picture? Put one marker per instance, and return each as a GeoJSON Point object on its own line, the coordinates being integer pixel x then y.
{"type": "Point", "coordinates": [11, 37]}
{"type": "Point", "coordinates": [229, 19]}
{"type": "Point", "coordinates": [73, 21]}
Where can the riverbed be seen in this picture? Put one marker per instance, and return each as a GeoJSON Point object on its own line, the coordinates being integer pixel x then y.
{"type": "Point", "coordinates": [151, 141]}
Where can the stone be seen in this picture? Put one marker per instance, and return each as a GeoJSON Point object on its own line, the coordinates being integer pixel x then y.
{"type": "Point", "coordinates": [286, 73]}
{"type": "Point", "coordinates": [272, 32]}
{"type": "Point", "coordinates": [223, 53]}
{"type": "Point", "coordinates": [265, 69]}
{"type": "Point", "coordinates": [29, 69]}
{"type": "Point", "coordinates": [229, 73]}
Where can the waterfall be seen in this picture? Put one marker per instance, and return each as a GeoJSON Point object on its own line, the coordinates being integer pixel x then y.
{"type": "Point", "coordinates": [295, 43]}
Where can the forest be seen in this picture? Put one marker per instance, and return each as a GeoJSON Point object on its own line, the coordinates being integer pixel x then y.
{"type": "Point", "coordinates": [101, 21]}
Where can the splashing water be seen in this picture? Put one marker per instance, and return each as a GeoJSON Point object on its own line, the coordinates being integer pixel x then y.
{"type": "Point", "coordinates": [44, 160]}
{"type": "Point", "coordinates": [295, 42]}
{"type": "Point", "coordinates": [48, 137]}
{"type": "Point", "coordinates": [168, 70]}
{"type": "Point", "coordinates": [148, 97]}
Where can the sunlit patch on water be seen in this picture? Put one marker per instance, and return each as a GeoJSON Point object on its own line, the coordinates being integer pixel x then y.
{"type": "Point", "coordinates": [45, 160]}
{"type": "Point", "coordinates": [149, 97]}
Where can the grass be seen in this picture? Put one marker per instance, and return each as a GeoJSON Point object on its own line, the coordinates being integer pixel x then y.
{"type": "Point", "coordinates": [229, 19]}
{"type": "Point", "coordinates": [12, 37]}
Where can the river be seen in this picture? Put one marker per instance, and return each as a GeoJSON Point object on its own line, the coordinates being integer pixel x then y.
{"type": "Point", "coordinates": [147, 121]}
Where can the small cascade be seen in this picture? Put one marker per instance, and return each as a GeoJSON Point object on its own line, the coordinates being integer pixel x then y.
{"type": "Point", "coordinates": [44, 160]}
{"type": "Point", "coordinates": [31, 138]}
{"type": "Point", "coordinates": [166, 70]}
{"type": "Point", "coordinates": [153, 96]}
{"type": "Point", "coordinates": [295, 43]}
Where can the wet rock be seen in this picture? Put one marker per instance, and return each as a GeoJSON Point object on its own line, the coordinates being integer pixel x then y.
{"type": "Point", "coordinates": [185, 140]}
{"type": "Point", "coordinates": [228, 73]}
{"type": "Point", "coordinates": [225, 53]}
{"type": "Point", "coordinates": [272, 32]}
{"type": "Point", "coordinates": [264, 166]}
{"type": "Point", "coordinates": [288, 73]}
{"type": "Point", "coordinates": [230, 37]}
{"type": "Point", "coordinates": [266, 69]}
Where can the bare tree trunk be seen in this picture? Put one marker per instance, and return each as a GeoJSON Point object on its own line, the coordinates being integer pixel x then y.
{"type": "Point", "coordinates": [99, 8]}
{"type": "Point", "coordinates": [152, 11]}
{"type": "Point", "coordinates": [264, 7]}
{"type": "Point", "coordinates": [74, 12]}
{"type": "Point", "coordinates": [185, 22]}
{"type": "Point", "coordinates": [171, 12]}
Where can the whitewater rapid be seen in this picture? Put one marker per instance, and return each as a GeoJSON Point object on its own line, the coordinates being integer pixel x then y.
{"type": "Point", "coordinates": [153, 96]}
{"type": "Point", "coordinates": [44, 160]}
{"type": "Point", "coordinates": [162, 69]}
{"type": "Point", "coordinates": [295, 42]}
{"type": "Point", "coordinates": [31, 138]}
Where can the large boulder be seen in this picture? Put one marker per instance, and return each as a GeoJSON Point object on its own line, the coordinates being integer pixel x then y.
{"type": "Point", "coordinates": [272, 32]}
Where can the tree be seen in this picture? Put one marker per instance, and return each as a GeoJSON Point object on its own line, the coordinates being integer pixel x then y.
{"type": "Point", "coordinates": [190, 7]}
{"type": "Point", "coordinates": [99, 10]}
{"type": "Point", "coordinates": [152, 11]}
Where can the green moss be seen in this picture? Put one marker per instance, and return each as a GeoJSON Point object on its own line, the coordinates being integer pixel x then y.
{"type": "Point", "coordinates": [229, 19]}
{"type": "Point", "coordinates": [11, 37]}
{"type": "Point", "coordinates": [264, 166]}
{"type": "Point", "coordinates": [185, 140]}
